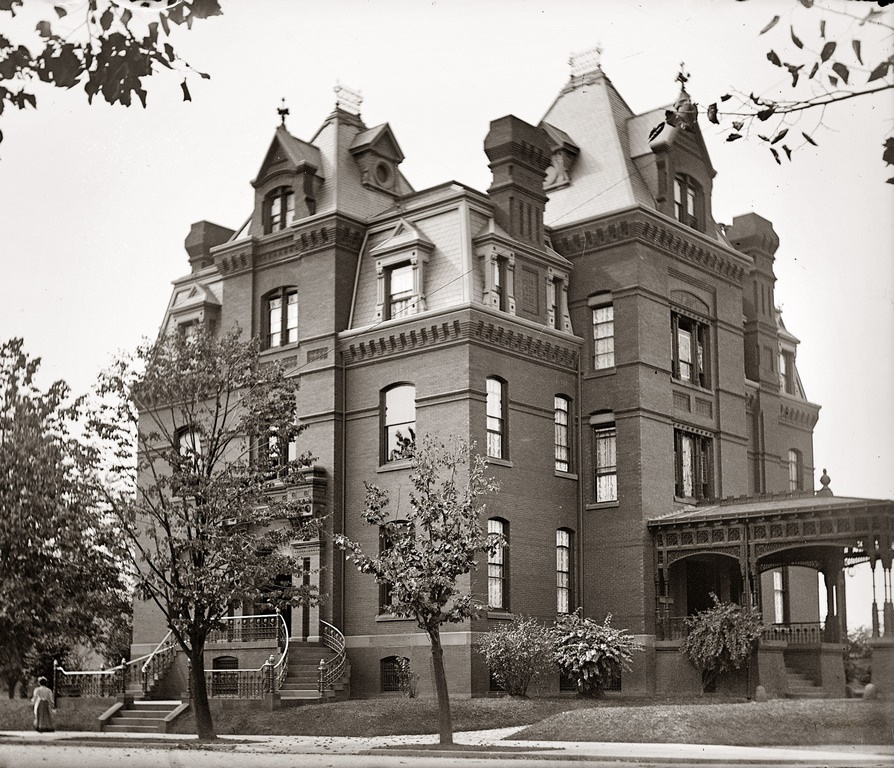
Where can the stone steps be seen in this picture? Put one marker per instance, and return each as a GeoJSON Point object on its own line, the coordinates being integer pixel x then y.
{"type": "Point", "coordinates": [799, 686]}
{"type": "Point", "coordinates": [145, 716]}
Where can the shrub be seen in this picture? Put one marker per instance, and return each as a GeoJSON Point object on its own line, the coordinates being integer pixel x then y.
{"type": "Point", "coordinates": [518, 654]}
{"type": "Point", "coordinates": [406, 677]}
{"type": "Point", "coordinates": [858, 656]}
{"type": "Point", "coordinates": [590, 653]}
{"type": "Point", "coordinates": [721, 639]}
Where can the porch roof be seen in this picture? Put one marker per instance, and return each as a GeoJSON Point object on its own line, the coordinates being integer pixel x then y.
{"type": "Point", "coordinates": [802, 527]}
{"type": "Point", "coordinates": [757, 507]}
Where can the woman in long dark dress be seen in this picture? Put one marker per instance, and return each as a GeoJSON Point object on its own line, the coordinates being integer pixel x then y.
{"type": "Point", "coordinates": [43, 704]}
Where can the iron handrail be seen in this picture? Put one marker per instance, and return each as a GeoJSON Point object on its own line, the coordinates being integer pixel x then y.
{"type": "Point", "coordinates": [332, 670]}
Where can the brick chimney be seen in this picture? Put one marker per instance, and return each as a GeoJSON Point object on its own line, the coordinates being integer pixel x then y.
{"type": "Point", "coordinates": [202, 237]}
{"type": "Point", "coordinates": [519, 155]}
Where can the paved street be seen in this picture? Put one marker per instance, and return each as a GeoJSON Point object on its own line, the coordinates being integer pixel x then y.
{"type": "Point", "coordinates": [88, 750]}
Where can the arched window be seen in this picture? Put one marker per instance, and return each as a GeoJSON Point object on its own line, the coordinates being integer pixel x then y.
{"type": "Point", "coordinates": [562, 428]}
{"type": "Point", "coordinates": [280, 318]}
{"type": "Point", "coordinates": [496, 418]}
{"type": "Point", "coordinates": [564, 581]}
{"type": "Point", "coordinates": [225, 682]}
{"type": "Point", "coordinates": [279, 209]}
{"type": "Point", "coordinates": [498, 566]}
{"type": "Point", "coordinates": [390, 668]}
{"type": "Point", "coordinates": [398, 423]}
{"type": "Point", "coordinates": [688, 201]}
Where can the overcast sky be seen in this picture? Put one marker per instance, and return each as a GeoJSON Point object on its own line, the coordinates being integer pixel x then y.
{"type": "Point", "coordinates": [95, 202]}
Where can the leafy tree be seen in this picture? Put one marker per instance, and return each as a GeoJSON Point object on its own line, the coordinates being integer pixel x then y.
{"type": "Point", "coordinates": [721, 639]}
{"type": "Point", "coordinates": [107, 46]}
{"type": "Point", "coordinates": [204, 530]}
{"type": "Point", "coordinates": [519, 653]}
{"type": "Point", "coordinates": [858, 656]}
{"type": "Point", "coordinates": [590, 653]}
{"type": "Point", "coordinates": [829, 52]}
{"type": "Point", "coordinates": [60, 576]}
{"type": "Point", "coordinates": [439, 544]}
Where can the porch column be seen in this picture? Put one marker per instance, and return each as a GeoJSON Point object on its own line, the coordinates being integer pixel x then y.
{"type": "Point", "coordinates": [830, 628]}
{"type": "Point", "coordinates": [889, 605]}
{"type": "Point", "coordinates": [875, 627]}
{"type": "Point", "coordinates": [841, 604]}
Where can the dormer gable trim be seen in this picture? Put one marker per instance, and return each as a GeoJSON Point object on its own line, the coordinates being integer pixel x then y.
{"type": "Point", "coordinates": [404, 238]}
{"type": "Point", "coordinates": [288, 154]}
{"type": "Point", "coordinates": [492, 234]}
{"type": "Point", "coordinates": [380, 140]}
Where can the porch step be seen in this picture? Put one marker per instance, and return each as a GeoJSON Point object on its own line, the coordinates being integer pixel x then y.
{"type": "Point", "coordinates": [145, 716]}
{"type": "Point", "coordinates": [799, 686]}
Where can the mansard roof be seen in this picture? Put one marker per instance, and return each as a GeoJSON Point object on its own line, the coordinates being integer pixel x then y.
{"type": "Point", "coordinates": [594, 117]}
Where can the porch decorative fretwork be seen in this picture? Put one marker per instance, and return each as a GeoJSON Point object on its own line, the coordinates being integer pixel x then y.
{"type": "Point", "coordinates": [819, 530]}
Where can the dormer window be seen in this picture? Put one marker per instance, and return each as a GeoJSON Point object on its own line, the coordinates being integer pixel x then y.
{"type": "Point", "coordinates": [279, 209]}
{"type": "Point", "coordinates": [400, 290]}
{"type": "Point", "coordinates": [688, 201]}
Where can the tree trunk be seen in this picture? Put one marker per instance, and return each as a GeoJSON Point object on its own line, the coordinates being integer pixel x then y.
{"type": "Point", "coordinates": [200, 707]}
{"type": "Point", "coordinates": [445, 721]}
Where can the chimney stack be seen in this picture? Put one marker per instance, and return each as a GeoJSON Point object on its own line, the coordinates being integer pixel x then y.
{"type": "Point", "coordinates": [519, 155]}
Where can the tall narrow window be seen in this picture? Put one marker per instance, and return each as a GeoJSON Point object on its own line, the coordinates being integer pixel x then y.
{"type": "Point", "coordinates": [280, 209]}
{"type": "Point", "coordinates": [693, 465]}
{"type": "Point", "coordinates": [605, 460]}
{"type": "Point", "coordinates": [778, 596]}
{"type": "Point", "coordinates": [400, 291]}
{"type": "Point", "coordinates": [603, 336]}
{"type": "Point", "coordinates": [795, 471]}
{"type": "Point", "coordinates": [690, 350]}
{"type": "Point", "coordinates": [563, 571]}
{"type": "Point", "coordinates": [497, 566]}
{"type": "Point", "coordinates": [687, 201]}
{"type": "Point", "coordinates": [496, 418]}
{"type": "Point", "coordinates": [280, 317]}
{"type": "Point", "coordinates": [498, 265]}
{"type": "Point", "coordinates": [399, 423]}
{"type": "Point", "coordinates": [787, 373]}
{"type": "Point", "coordinates": [561, 414]}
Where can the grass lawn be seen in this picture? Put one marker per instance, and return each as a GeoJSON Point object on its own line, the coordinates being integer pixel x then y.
{"type": "Point", "coordinates": [699, 720]}
{"type": "Point", "coordinates": [72, 714]}
{"type": "Point", "coordinates": [777, 722]}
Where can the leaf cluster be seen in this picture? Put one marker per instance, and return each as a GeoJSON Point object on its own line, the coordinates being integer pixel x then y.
{"type": "Point", "coordinates": [437, 541]}
{"type": "Point", "coordinates": [61, 576]}
{"type": "Point", "coordinates": [518, 654]}
{"type": "Point", "coordinates": [721, 639]}
{"type": "Point", "coordinates": [102, 45]}
{"type": "Point", "coordinates": [589, 652]}
{"type": "Point", "coordinates": [824, 63]}
{"type": "Point", "coordinates": [208, 523]}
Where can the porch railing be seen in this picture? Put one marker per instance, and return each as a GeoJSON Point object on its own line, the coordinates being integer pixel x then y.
{"type": "Point", "coordinates": [245, 629]}
{"type": "Point", "coordinates": [331, 671]}
{"type": "Point", "coordinates": [797, 633]}
{"type": "Point", "coordinates": [794, 633]}
{"type": "Point", "coordinates": [670, 627]}
{"type": "Point", "coordinates": [90, 684]}
{"type": "Point", "coordinates": [251, 683]}
{"type": "Point", "coordinates": [158, 661]}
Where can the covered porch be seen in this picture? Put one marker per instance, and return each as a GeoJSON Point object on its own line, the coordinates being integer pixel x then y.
{"type": "Point", "coordinates": [786, 556]}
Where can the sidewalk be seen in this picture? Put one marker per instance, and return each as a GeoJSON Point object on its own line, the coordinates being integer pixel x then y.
{"type": "Point", "coordinates": [494, 744]}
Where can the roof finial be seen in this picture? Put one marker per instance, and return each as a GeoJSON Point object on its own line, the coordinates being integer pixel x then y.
{"type": "Point", "coordinates": [283, 112]}
{"type": "Point", "coordinates": [824, 481]}
{"type": "Point", "coordinates": [682, 76]}
{"type": "Point", "coordinates": [347, 99]}
{"type": "Point", "coordinates": [586, 61]}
